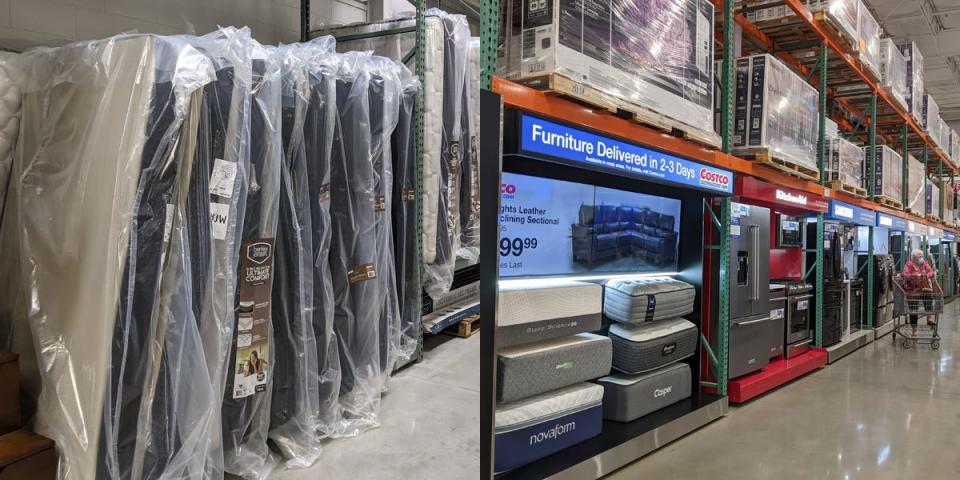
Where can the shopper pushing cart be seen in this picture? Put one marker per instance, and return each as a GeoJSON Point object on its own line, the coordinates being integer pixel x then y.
{"type": "Point", "coordinates": [918, 293]}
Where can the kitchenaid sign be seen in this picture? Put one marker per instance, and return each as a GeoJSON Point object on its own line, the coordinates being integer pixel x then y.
{"type": "Point", "coordinates": [543, 137]}
{"type": "Point", "coordinates": [796, 199]}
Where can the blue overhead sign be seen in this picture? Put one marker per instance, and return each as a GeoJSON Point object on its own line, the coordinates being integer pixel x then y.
{"type": "Point", "coordinates": [948, 236]}
{"type": "Point", "coordinates": [539, 136]}
{"type": "Point", "coordinates": [891, 222]}
{"type": "Point", "coordinates": [849, 213]}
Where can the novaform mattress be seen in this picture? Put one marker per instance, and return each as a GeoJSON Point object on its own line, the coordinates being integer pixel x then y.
{"type": "Point", "coordinates": [535, 314]}
{"type": "Point", "coordinates": [629, 397]}
{"type": "Point", "coordinates": [646, 300]}
{"type": "Point", "coordinates": [532, 369]}
{"type": "Point", "coordinates": [536, 427]}
{"type": "Point", "coordinates": [641, 348]}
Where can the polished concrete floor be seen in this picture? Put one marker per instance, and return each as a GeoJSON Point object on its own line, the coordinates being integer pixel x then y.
{"type": "Point", "coordinates": [881, 413]}
{"type": "Point", "coordinates": [430, 423]}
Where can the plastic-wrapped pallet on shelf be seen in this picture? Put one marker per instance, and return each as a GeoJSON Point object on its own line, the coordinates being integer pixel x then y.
{"type": "Point", "coordinates": [776, 112]}
{"type": "Point", "coordinates": [933, 199]}
{"type": "Point", "coordinates": [954, 147]}
{"type": "Point", "coordinates": [843, 14]}
{"type": "Point", "coordinates": [915, 90]}
{"type": "Point", "coordinates": [893, 71]}
{"type": "Point", "coordinates": [845, 162]}
{"type": "Point", "coordinates": [931, 117]}
{"type": "Point", "coordinates": [869, 39]}
{"type": "Point", "coordinates": [916, 181]}
{"type": "Point", "coordinates": [888, 172]}
{"type": "Point", "coordinates": [652, 54]}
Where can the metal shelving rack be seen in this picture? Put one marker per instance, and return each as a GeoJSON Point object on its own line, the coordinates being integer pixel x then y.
{"type": "Point", "coordinates": [306, 31]}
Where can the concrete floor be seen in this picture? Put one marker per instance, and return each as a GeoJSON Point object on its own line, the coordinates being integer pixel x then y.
{"type": "Point", "coordinates": [880, 413]}
{"type": "Point", "coordinates": [430, 423]}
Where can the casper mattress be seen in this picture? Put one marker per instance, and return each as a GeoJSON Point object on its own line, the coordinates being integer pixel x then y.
{"type": "Point", "coordinates": [629, 397]}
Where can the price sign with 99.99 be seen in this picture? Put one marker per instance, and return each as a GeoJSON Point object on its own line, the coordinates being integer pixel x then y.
{"type": "Point", "coordinates": [516, 246]}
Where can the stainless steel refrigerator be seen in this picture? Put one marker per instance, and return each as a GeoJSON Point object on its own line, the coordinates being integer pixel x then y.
{"type": "Point", "coordinates": [752, 328]}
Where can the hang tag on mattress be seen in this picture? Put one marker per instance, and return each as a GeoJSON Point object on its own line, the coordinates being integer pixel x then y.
{"type": "Point", "coordinates": [408, 195]}
{"type": "Point", "coordinates": [379, 203]}
{"type": "Point", "coordinates": [361, 273]}
{"type": "Point", "coordinates": [222, 178]}
{"type": "Point", "coordinates": [219, 218]}
{"type": "Point", "coordinates": [324, 194]}
{"type": "Point", "coordinates": [168, 223]}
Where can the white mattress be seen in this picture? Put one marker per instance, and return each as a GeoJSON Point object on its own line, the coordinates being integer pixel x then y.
{"type": "Point", "coordinates": [645, 332]}
{"type": "Point", "coordinates": [548, 405]}
{"type": "Point", "coordinates": [9, 119]}
{"type": "Point", "coordinates": [547, 345]}
{"type": "Point", "coordinates": [432, 134]}
{"type": "Point", "coordinates": [518, 305]}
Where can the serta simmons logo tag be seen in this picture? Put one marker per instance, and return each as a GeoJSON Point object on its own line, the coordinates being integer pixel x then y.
{"type": "Point", "coordinates": [507, 190]}
{"type": "Point", "coordinates": [791, 198]}
{"type": "Point", "coordinates": [662, 392]}
{"type": "Point", "coordinates": [258, 252]}
{"type": "Point", "coordinates": [841, 211]}
{"type": "Point", "coordinates": [554, 433]}
{"type": "Point", "coordinates": [714, 179]}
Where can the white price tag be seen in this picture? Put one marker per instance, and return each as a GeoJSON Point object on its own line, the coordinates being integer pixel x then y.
{"type": "Point", "coordinates": [802, 304]}
{"type": "Point", "coordinates": [223, 177]}
{"type": "Point", "coordinates": [219, 219]}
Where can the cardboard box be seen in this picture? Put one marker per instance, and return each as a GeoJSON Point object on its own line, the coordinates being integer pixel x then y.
{"type": "Point", "coordinates": [24, 455]}
{"type": "Point", "coordinates": [9, 392]}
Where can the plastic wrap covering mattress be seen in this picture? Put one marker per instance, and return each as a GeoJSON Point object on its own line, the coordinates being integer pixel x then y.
{"type": "Point", "coordinates": [528, 370]}
{"type": "Point", "coordinates": [887, 170]}
{"type": "Point", "coordinates": [641, 348]}
{"type": "Point", "coordinates": [10, 81]}
{"type": "Point", "coordinates": [405, 220]}
{"type": "Point", "coordinates": [954, 147]}
{"type": "Point", "coordinates": [893, 71]}
{"type": "Point", "coordinates": [104, 212]}
{"type": "Point", "coordinates": [629, 397]}
{"type": "Point", "coordinates": [916, 181]}
{"type": "Point", "coordinates": [845, 163]}
{"type": "Point", "coordinates": [915, 88]}
{"type": "Point", "coordinates": [869, 39]}
{"type": "Point", "coordinates": [776, 111]}
{"type": "Point", "coordinates": [535, 314]}
{"type": "Point", "coordinates": [934, 199]}
{"type": "Point", "coordinates": [470, 180]}
{"type": "Point", "coordinates": [656, 54]}
{"type": "Point", "coordinates": [646, 300]}
{"type": "Point", "coordinates": [539, 426]}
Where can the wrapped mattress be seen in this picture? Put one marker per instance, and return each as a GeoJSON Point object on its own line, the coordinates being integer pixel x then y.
{"type": "Point", "coordinates": [470, 179]}
{"type": "Point", "coordinates": [528, 370]}
{"type": "Point", "coordinates": [629, 397]}
{"type": "Point", "coordinates": [641, 348]}
{"type": "Point", "coordinates": [9, 123]}
{"type": "Point", "coordinates": [536, 314]}
{"type": "Point", "coordinates": [647, 300]}
{"type": "Point", "coordinates": [539, 426]}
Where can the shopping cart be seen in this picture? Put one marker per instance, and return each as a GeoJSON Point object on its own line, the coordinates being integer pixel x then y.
{"type": "Point", "coordinates": [920, 296]}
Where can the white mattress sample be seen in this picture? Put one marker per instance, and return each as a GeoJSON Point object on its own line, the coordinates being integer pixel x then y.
{"type": "Point", "coordinates": [562, 400]}
{"type": "Point", "coordinates": [529, 314]}
{"type": "Point", "coordinates": [9, 118]}
{"type": "Point", "coordinates": [652, 330]}
{"type": "Point", "coordinates": [433, 75]}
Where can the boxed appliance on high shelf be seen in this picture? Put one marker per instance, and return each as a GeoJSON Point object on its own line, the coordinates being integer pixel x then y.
{"type": "Point", "coordinates": [916, 179]}
{"type": "Point", "coordinates": [911, 53]}
{"type": "Point", "coordinates": [954, 147]}
{"type": "Point", "coordinates": [888, 173]}
{"type": "Point", "coordinates": [931, 117]}
{"type": "Point", "coordinates": [933, 200]}
{"type": "Point", "coordinates": [656, 62]}
{"type": "Point", "coordinates": [775, 112]}
{"type": "Point", "coordinates": [843, 16]}
{"type": "Point", "coordinates": [869, 44]}
{"type": "Point", "coordinates": [893, 71]}
{"type": "Point", "coordinates": [845, 163]}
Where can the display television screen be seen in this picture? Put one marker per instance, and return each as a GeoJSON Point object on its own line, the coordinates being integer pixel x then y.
{"type": "Point", "coordinates": [553, 228]}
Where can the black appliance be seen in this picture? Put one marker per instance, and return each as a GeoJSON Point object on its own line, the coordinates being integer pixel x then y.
{"type": "Point", "coordinates": [788, 231]}
{"type": "Point", "coordinates": [858, 320]}
{"type": "Point", "coordinates": [799, 310]}
{"type": "Point", "coordinates": [832, 321]}
{"type": "Point", "coordinates": [778, 318]}
{"type": "Point", "coordinates": [751, 328]}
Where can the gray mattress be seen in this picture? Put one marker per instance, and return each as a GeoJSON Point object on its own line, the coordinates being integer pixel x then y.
{"type": "Point", "coordinates": [629, 397]}
{"type": "Point", "coordinates": [647, 300]}
{"type": "Point", "coordinates": [532, 369]}
{"type": "Point", "coordinates": [646, 347]}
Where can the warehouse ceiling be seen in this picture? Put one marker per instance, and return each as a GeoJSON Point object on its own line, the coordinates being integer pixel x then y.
{"type": "Point", "coordinates": [935, 26]}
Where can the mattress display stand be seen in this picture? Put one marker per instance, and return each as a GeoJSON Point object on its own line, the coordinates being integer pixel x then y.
{"type": "Point", "coordinates": [541, 142]}
{"type": "Point", "coordinates": [788, 201]}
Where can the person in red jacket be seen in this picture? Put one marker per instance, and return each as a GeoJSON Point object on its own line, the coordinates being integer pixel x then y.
{"type": "Point", "coordinates": [918, 283]}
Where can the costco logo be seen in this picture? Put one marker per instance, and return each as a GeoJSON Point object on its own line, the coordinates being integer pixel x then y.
{"type": "Point", "coordinates": [714, 179]}
{"type": "Point", "coordinates": [507, 190]}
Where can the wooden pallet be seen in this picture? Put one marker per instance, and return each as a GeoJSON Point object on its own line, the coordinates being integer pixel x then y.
{"type": "Point", "coordinates": [843, 187]}
{"type": "Point", "coordinates": [828, 21]}
{"type": "Point", "coordinates": [932, 217]}
{"type": "Point", "coordinates": [913, 212]}
{"type": "Point", "coordinates": [465, 328]}
{"type": "Point", "coordinates": [885, 200]}
{"type": "Point", "coordinates": [556, 84]}
{"type": "Point", "coordinates": [762, 156]}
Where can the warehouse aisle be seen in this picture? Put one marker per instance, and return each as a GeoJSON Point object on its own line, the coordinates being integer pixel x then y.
{"type": "Point", "coordinates": [880, 413]}
{"type": "Point", "coordinates": [431, 423]}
